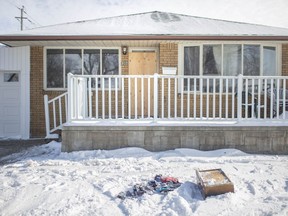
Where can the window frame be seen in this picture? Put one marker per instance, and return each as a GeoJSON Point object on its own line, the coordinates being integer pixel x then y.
{"type": "Point", "coordinates": [82, 62]}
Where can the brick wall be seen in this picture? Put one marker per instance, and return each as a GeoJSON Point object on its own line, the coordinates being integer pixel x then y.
{"type": "Point", "coordinates": [37, 115]}
{"type": "Point", "coordinates": [285, 59]}
{"type": "Point", "coordinates": [37, 124]}
{"type": "Point", "coordinates": [168, 55]}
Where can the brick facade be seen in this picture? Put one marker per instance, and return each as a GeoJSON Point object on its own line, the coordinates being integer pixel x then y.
{"type": "Point", "coordinates": [37, 118]}
{"type": "Point", "coordinates": [285, 60]}
{"type": "Point", "coordinates": [168, 57]}
{"type": "Point", "coordinates": [37, 92]}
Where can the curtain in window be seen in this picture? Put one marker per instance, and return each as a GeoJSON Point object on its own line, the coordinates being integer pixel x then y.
{"type": "Point", "coordinates": [212, 59]}
{"type": "Point", "coordinates": [231, 60]}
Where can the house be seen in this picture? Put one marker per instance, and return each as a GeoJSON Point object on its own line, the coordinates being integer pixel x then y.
{"type": "Point", "coordinates": [155, 80]}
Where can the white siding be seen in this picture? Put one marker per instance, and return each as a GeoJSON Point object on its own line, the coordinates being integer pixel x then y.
{"type": "Point", "coordinates": [18, 59]}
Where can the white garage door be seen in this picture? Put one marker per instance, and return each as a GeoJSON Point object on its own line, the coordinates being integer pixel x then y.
{"type": "Point", "coordinates": [10, 104]}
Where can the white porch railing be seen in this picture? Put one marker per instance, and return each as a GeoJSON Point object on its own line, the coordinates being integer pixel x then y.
{"type": "Point", "coordinates": [57, 109]}
{"type": "Point", "coordinates": [168, 97]}
{"type": "Point", "coordinates": [161, 97]}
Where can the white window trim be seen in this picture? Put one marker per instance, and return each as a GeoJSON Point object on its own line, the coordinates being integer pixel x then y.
{"type": "Point", "coordinates": [82, 50]}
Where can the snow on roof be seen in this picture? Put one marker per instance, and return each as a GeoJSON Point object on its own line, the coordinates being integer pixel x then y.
{"type": "Point", "coordinates": [155, 23]}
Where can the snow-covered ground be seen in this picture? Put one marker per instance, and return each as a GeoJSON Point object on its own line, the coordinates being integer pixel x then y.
{"type": "Point", "coordinates": [44, 181]}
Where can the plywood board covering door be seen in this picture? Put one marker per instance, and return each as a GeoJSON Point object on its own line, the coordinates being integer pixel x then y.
{"type": "Point", "coordinates": [142, 94]}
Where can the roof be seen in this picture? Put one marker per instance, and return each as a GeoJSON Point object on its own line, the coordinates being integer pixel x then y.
{"type": "Point", "coordinates": [150, 25]}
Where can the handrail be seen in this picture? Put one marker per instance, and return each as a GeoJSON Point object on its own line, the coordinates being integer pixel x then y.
{"type": "Point", "coordinates": [58, 120]}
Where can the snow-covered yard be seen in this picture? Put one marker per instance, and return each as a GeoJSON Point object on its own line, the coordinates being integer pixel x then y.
{"type": "Point", "coordinates": [44, 181]}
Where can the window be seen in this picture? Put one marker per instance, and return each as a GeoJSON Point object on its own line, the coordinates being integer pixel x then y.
{"type": "Point", "coordinates": [54, 68]}
{"type": "Point", "coordinates": [110, 62]}
{"type": "Point", "coordinates": [230, 60]}
{"type": "Point", "coordinates": [60, 62]}
{"type": "Point", "coordinates": [212, 60]}
{"type": "Point", "coordinates": [11, 77]}
{"type": "Point", "coordinates": [91, 62]}
{"type": "Point", "coordinates": [251, 60]}
{"type": "Point", "coordinates": [191, 60]}
{"type": "Point", "coordinates": [269, 61]}
{"type": "Point", "coordinates": [227, 60]}
{"type": "Point", "coordinates": [191, 64]}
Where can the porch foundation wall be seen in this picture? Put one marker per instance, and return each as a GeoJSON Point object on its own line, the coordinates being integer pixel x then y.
{"type": "Point", "coordinates": [263, 140]}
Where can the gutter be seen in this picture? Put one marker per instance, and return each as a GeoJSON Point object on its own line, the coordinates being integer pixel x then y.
{"type": "Point", "coordinates": [140, 37]}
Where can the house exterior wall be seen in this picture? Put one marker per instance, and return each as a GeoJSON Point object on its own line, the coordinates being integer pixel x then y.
{"type": "Point", "coordinates": [168, 57]}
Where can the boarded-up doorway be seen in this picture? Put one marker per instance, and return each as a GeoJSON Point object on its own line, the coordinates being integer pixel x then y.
{"type": "Point", "coordinates": [142, 94]}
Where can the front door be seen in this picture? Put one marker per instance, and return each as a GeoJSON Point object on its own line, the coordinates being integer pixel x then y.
{"type": "Point", "coordinates": [142, 96]}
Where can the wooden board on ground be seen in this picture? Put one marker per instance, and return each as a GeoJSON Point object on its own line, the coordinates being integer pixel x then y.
{"type": "Point", "coordinates": [213, 182]}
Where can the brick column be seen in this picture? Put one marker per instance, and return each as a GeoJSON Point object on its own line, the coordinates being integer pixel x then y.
{"type": "Point", "coordinates": [285, 60]}
{"type": "Point", "coordinates": [37, 118]}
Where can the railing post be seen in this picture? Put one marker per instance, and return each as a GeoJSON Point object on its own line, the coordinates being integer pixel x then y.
{"type": "Point", "coordinates": [239, 97]}
{"type": "Point", "coordinates": [70, 97]}
{"type": "Point", "coordinates": [155, 97]}
{"type": "Point", "coordinates": [47, 118]}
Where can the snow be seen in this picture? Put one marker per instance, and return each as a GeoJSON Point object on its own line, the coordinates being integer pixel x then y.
{"type": "Point", "coordinates": [156, 23]}
{"type": "Point", "coordinates": [276, 121]}
{"type": "Point", "coordinates": [44, 181]}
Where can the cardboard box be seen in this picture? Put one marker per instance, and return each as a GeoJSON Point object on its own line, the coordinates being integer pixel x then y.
{"type": "Point", "coordinates": [213, 182]}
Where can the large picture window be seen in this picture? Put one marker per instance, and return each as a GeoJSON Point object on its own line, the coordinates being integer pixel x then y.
{"type": "Point", "coordinates": [230, 60]}
{"type": "Point", "coordinates": [227, 60]}
{"type": "Point", "coordinates": [60, 62]}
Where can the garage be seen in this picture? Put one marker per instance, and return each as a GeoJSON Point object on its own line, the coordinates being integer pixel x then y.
{"type": "Point", "coordinates": [10, 102]}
